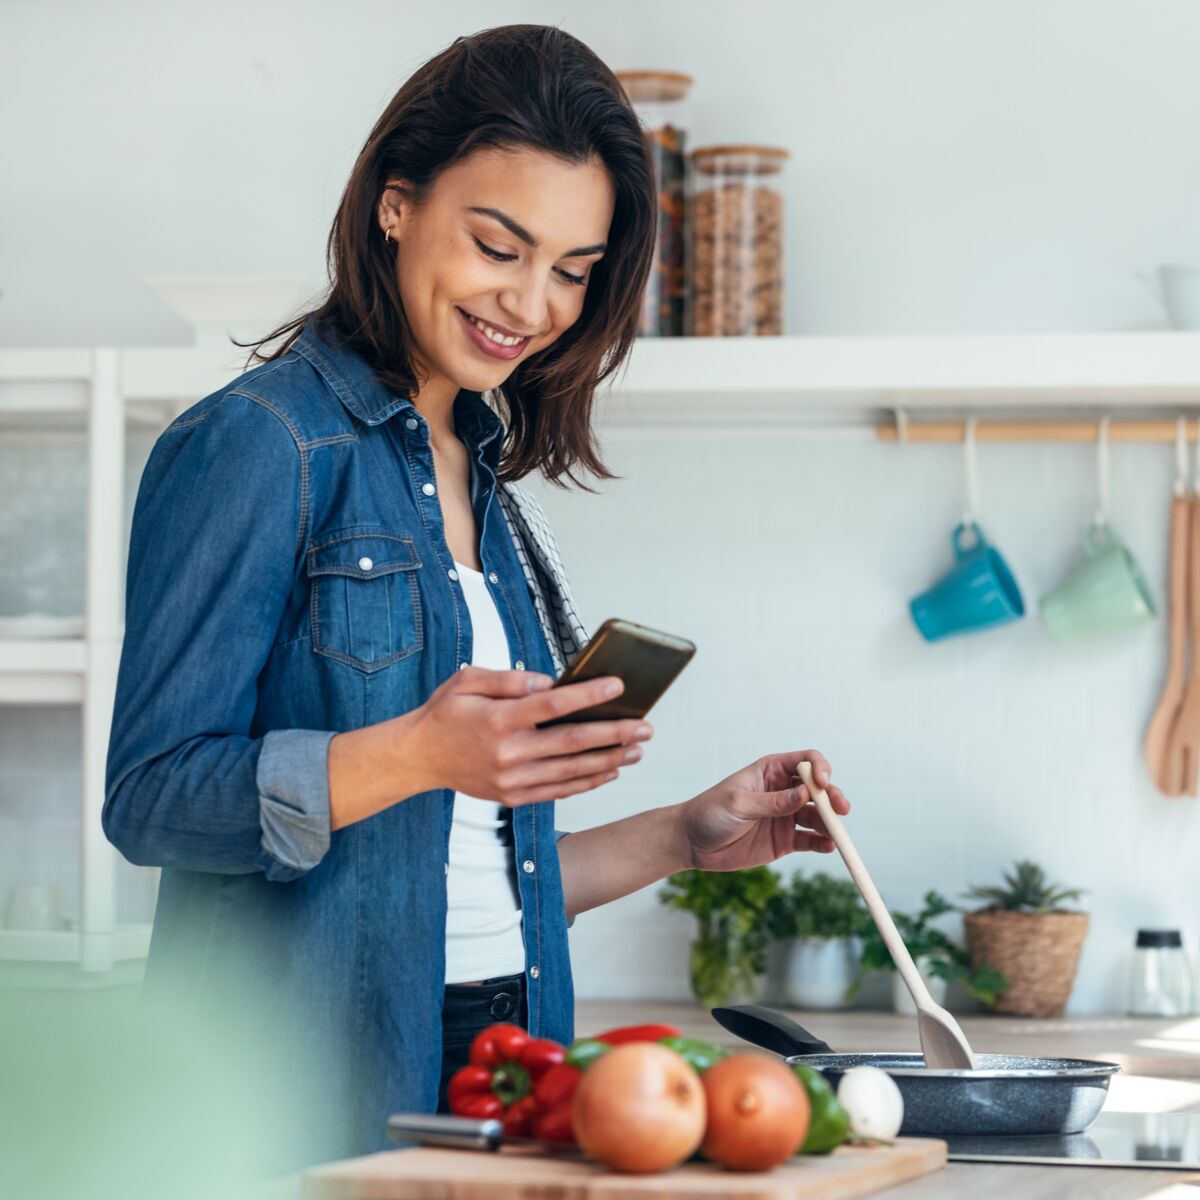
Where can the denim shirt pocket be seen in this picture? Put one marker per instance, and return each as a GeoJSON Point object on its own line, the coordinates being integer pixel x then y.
{"type": "Point", "coordinates": [365, 601]}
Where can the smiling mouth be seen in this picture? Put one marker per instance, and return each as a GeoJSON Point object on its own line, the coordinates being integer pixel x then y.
{"type": "Point", "coordinates": [497, 336]}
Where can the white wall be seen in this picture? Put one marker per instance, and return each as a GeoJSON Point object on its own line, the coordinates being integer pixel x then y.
{"type": "Point", "coordinates": [957, 166]}
{"type": "Point", "coordinates": [958, 757]}
{"type": "Point", "coordinates": [983, 167]}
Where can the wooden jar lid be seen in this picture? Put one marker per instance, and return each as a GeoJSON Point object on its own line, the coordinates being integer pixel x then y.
{"type": "Point", "coordinates": [740, 159]}
{"type": "Point", "coordinates": [655, 85]}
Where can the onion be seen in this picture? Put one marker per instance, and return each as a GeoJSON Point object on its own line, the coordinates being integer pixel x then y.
{"type": "Point", "coordinates": [639, 1108]}
{"type": "Point", "coordinates": [758, 1113]}
{"type": "Point", "coordinates": [873, 1101]}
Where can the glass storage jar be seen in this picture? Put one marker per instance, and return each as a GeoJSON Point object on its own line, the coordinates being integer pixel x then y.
{"type": "Point", "coordinates": [657, 98]}
{"type": "Point", "coordinates": [737, 241]}
{"type": "Point", "coordinates": [1162, 979]}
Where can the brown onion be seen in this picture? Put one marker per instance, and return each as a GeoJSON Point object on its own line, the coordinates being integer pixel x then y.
{"type": "Point", "coordinates": [639, 1108]}
{"type": "Point", "coordinates": [758, 1113]}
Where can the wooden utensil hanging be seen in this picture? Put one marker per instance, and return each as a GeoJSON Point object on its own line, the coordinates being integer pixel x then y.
{"type": "Point", "coordinates": [1181, 761]}
{"type": "Point", "coordinates": [1168, 771]}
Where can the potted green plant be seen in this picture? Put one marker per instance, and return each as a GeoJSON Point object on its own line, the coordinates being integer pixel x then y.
{"type": "Point", "coordinates": [938, 958]}
{"type": "Point", "coordinates": [728, 955]}
{"type": "Point", "coordinates": [1025, 930]}
{"type": "Point", "coordinates": [817, 921]}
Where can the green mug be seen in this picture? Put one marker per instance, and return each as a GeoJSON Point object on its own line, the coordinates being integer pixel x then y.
{"type": "Point", "coordinates": [1106, 591]}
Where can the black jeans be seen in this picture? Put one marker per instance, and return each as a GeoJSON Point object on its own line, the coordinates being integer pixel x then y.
{"type": "Point", "coordinates": [469, 1008]}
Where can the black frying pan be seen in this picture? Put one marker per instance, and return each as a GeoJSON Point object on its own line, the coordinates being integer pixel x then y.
{"type": "Point", "coordinates": [1005, 1094]}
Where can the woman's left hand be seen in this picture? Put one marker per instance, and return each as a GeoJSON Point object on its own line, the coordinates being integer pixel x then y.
{"type": "Point", "coordinates": [758, 814]}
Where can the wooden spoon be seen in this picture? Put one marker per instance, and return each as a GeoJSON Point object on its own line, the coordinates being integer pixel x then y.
{"type": "Point", "coordinates": [1167, 773]}
{"type": "Point", "coordinates": [943, 1043]}
{"type": "Point", "coordinates": [1181, 763]}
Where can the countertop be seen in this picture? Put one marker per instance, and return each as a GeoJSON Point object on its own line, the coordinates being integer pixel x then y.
{"type": "Point", "coordinates": [1160, 1063]}
{"type": "Point", "coordinates": [1141, 1045]}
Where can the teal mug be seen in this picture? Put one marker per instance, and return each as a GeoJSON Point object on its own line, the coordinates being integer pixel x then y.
{"type": "Point", "coordinates": [1106, 591]}
{"type": "Point", "coordinates": [977, 592]}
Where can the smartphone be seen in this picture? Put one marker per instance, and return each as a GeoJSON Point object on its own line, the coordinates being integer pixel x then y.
{"type": "Point", "coordinates": [646, 659]}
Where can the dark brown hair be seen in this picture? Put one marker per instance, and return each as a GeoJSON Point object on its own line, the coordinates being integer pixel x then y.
{"type": "Point", "coordinates": [516, 86]}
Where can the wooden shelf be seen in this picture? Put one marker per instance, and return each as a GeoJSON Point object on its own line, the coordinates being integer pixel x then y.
{"type": "Point", "coordinates": [19, 945]}
{"type": "Point", "coordinates": [727, 380]}
{"type": "Point", "coordinates": [739, 379]}
{"type": "Point", "coordinates": [46, 364]}
{"type": "Point", "coordinates": [43, 656]}
{"type": "Point", "coordinates": [42, 671]}
{"type": "Point", "coordinates": [63, 946]}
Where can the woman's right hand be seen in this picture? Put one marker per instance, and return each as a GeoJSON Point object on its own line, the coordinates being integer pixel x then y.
{"type": "Point", "coordinates": [478, 734]}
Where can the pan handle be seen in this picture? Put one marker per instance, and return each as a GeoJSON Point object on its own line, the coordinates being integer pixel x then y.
{"type": "Point", "coordinates": [764, 1027]}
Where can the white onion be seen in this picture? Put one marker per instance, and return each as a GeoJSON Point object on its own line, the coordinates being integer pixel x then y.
{"type": "Point", "coordinates": [873, 1101]}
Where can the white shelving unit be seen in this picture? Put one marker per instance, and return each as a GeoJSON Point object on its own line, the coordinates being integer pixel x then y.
{"type": "Point", "coordinates": [720, 384]}
{"type": "Point", "coordinates": [47, 387]}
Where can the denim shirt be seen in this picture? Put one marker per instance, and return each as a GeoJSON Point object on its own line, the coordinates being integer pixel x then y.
{"type": "Point", "coordinates": [288, 579]}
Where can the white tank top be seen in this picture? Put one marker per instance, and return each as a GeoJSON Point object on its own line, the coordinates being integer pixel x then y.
{"type": "Point", "coordinates": [483, 914]}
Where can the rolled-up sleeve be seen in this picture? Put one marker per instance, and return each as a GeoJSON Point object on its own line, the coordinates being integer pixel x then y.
{"type": "Point", "coordinates": [216, 546]}
{"type": "Point", "coordinates": [293, 795]}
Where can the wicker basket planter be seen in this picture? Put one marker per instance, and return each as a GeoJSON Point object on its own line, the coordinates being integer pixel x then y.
{"type": "Point", "coordinates": [1037, 953]}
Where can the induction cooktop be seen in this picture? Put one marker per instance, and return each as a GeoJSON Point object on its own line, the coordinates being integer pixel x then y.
{"type": "Point", "coordinates": [1164, 1140]}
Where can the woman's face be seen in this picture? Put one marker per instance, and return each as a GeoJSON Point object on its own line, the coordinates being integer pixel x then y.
{"type": "Point", "coordinates": [501, 249]}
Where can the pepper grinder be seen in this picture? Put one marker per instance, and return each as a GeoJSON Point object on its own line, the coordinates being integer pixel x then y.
{"type": "Point", "coordinates": [1162, 978]}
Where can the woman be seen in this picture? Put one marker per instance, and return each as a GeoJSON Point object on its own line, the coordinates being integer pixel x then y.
{"type": "Point", "coordinates": [343, 618]}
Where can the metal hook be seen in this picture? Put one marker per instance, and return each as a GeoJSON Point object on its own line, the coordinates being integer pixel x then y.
{"type": "Point", "coordinates": [1102, 474]}
{"type": "Point", "coordinates": [971, 465]}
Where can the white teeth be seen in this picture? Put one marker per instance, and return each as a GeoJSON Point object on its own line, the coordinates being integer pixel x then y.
{"type": "Point", "coordinates": [493, 335]}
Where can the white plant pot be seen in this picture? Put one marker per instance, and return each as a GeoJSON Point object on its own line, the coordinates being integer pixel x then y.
{"type": "Point", "coordinates": [775, 989]}
{"type": "Point", "coordinates": [902, 1002]}
{"type": "Point", "coordinates": [820, 971]}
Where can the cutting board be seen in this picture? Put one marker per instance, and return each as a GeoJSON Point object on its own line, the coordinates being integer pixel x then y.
{"type": "Point", "coordinates": [427, 1174]}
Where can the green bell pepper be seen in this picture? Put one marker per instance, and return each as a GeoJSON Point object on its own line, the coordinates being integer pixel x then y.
{"type": "Point", "coordinates": [584, 1051]}
{"type": "Point", "coordinates": [829, 1125]}
{"type": "Point", "coordinates": [698, 1054]}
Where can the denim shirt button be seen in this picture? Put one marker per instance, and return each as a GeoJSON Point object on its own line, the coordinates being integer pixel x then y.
{"type": "Point", "coordinates": [365, 563]}
{"type": "Point", "coordinates": [463, 666]}
{"type": "Point", "coordinates": [411, 423]}
{"type": "Point", "coordinates": [428, 489]}
{"type": "Point", "coordinates": [452, 573]}
{"type": "Point", "coordinates": [534, 972]}
{"type": "Point", "coordinates": [493, 577]}
{"type": "Point", "coordinates": [518, 665]}
{"type": "Point", "coordinates": [527, 866]}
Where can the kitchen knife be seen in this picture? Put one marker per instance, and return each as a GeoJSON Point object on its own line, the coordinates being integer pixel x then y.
{"type": "Point", "coordinates": [466, 1133]}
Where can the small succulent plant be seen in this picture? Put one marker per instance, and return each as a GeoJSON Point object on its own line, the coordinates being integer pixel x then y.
{"type": "Point", "coordinates": [1026, 890]}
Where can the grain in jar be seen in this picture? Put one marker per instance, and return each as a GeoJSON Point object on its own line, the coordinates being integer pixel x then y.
{"type": "Point", "coordinates": [657, 98]}
{"type": "Point", "coordinates": [736, 286]}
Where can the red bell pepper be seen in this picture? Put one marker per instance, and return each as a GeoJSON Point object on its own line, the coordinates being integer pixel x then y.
{"type": "Point", "coordinates": [554, 1092]}
{"type": "Point", "coordinates": [504, 1066]}
{"type": "Point", "coordinates": [637, 1033]}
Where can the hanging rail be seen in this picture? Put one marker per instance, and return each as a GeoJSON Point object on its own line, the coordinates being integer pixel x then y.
{"type": "Point", "coordinates": [909, 430]}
